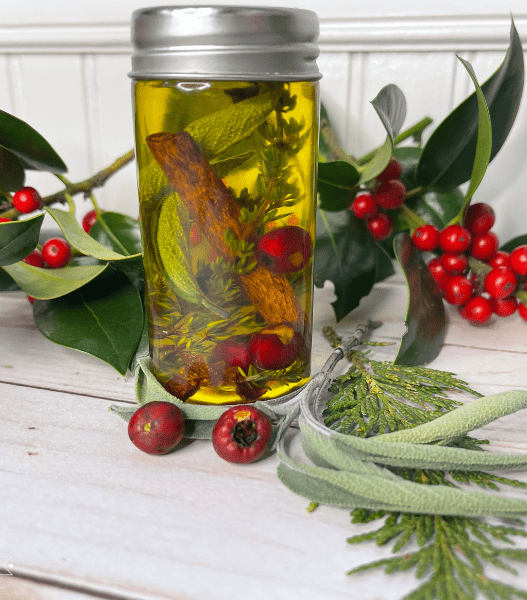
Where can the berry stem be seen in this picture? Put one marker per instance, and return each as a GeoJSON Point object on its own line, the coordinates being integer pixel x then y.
{"type": "Point", "coordinates": [412, 218]}
{"type": "Point", "coordinates": [480, 268]}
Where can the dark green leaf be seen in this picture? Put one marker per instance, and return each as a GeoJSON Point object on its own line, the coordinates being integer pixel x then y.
{"type": "Point", "coordinates": [520, 240]}
{"type": "Point", "coordinates": [323, 148]}
{"type": "Point", "coordinates": [30, 147]}
{"type": "Point", "coordinates": [12, 174]}
{"type": "Point", "coordinates": [7, 283]}
{"type": "Point", "coordinates": [18, 239]}
{"type": "Point", "coordinates": [336, 185]}
{"type": "Point", "coordinates": [52, 283]}
{"type": "Point", "coordinates": [448, 156]}
{"type": "Point", "coordinates": [346, 255]}
{"type": "Point", "coordinates": [425, 314]}
{"type": "Point", "coordinates": [104, 318]}
{"type": "Point", "coordinates": [125, 236]}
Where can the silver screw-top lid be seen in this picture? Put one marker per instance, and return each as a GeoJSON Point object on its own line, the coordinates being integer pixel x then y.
{"type": "Point", "coordinates": [225, 42]}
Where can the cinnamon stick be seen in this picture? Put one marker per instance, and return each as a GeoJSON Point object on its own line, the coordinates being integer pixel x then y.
{"type": "Point", "coordinates": [215, 210]}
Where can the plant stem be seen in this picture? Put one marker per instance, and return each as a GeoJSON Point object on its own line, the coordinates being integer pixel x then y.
{"type": "Point", "coordinates": [332, 142]}
{"type": "Point", "coordinates": [82, 187]}
{"type": "Point", "coordinates": [412, 218]}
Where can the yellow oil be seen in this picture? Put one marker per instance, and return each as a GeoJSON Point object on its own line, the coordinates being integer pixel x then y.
{"type": "Point", "coordinates": [186, 331]}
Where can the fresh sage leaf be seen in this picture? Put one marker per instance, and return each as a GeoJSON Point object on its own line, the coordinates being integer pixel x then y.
{"type": "Point", "coordinates": [18, 239]}
{"type": "Point", "coordinates": [104, 318]}
{"type": "Point", "coordinates": [12, 174]}
{"type": "Point", "coordinates": [425, 314]}
{"type": "Point", "coordinates": [448, 157]}
{"type": "Point", "coordinates": [337, 183]}
{"type": "Point", "coordinates": [223, 166]}
{"type": "Point", "coordinates": [28, 145]}
{"type": "Point", "coordinates": [52, 283]}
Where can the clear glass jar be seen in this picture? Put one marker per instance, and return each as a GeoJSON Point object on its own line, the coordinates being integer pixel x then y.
{"type": "Point", "coordinates": [227, 188]}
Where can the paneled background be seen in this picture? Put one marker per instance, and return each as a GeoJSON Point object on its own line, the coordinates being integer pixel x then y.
{"type": "Point", "coordinates": [64, 70]}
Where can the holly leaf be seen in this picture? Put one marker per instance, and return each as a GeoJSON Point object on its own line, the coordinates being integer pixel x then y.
{"type": "Point", "coordinates": [122, 233]}
{"type": "Point", "coordinates": [520, 240]}
{"type": "Point", "coordinates": [52, 283]}
{"type": "Point", "coordinates": [104, 318]}
{"type": "Point", "coordinates": [7, 283]}
{"type": "Point", "coordinates": [18, 239]}
{"type": "Point", "coordinates": [28, 145]}
{"type": "Point", "coordinates": [336, 185]}
{"type": "Point", "coordinates": [346, 254]}
{"type": "Point", "coordinates": [425, 314]}
{"type": "Point", "coordinates": [390, 105]}
{"type": "Point", "coordinates": [12, 174]}
{"type": "Point", "coordinates": [448, 156]}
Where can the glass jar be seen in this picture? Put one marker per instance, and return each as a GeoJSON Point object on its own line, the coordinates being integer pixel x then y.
{"type": "Point", "coordinates": [226, 122]}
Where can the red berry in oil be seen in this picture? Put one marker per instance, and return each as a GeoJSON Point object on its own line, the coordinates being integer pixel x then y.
{"type": "Point", "coordinates": [392, 171]}
{"type": "Point", "coordinates": [485, 247]}
{"type": "Point", "coordinates": [285, 249]}
{"type": "Point", "coordinates": [426, 237]}
{"type": "Point", "coordinates": [457, 290]}
{"type": "Point", "coordinates": [364, 206]}
{"type": "Point", "coordinates": [157, 427]}
{"type": "Point", "coordinates": [56, 252]}
{"type": "Point", "coordinates": [391, 194]}
{"type": "Point", "coordinates": [271, 351]}
{"type": "Point", "coordinates": [454, 239]}
{"type": "Point", "coordinates": [518, 260]}
{"type": "Point", "coordinates": [34, 258]}
{"type": "Point", "coordinates": [478, 310]}
{"type": "Point", "coordinates": [479, 219]}
{"type": "Point", "coordinates": [500, 282]}
{"type": "Point", "coordinates": [27, 199]}
{"type": "Point", "coordinates": [380, 226]}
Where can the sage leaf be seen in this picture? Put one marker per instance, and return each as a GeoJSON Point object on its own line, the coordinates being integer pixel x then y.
{"type": "Point", "coordinates": [218, 131]}
{"type": "Point", "coordinates": [28, 145]}
{"type": "Point", "coordinates": [104, 318]}
{"type": "Point", "coordinates": [12, 174]}
{"type": "Point", "coordinates": [223, 166]}
{"type": "Point", "coordinates": [336, 185]}
{"type": "Point", "coordinates": [52, 283]}
{"type": "Point", "coordinates": [18, 239]}
{"type": "Point", "coordinates": [425, 313]}
{"type": "Point", "coordinates": [172, 245]}
{"type": "Point", "coordinates": [81, 240]}
{"type": "Point", "coordinates": [448, 156]}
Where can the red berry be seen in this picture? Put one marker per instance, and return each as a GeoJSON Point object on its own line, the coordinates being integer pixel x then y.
{"type": "Point", "coordinates": [392, 171]}
{"type": "Point", "coordinates": [522, 309]}
{"type": "Point", "coordinates": [454, 239]}
{"type": "Point", "coordinates": [195, 235]}
{"type": "Point", "coordinates": [88, 220]}
{"type": "Point", "coordinates": [364, 206]}
{"type": "Point", "coordinates": [157, 427]}
{"type": "Point", "coordinates": [454, 264]}
{"type": "Point", "coordinates": [457, 289]}
{"type": "Point", "coordinates": [233, 352]}
{"type": "Point", "coordinates": [241, 434]}
{"type": "Point", "coordinates": [380, 226]}
{"type": "Point", "coordinates": [272, 351]}
{"type": "Point", "coordinates": [518, 260]}
{"type": "Point", "coordinates": [284, 250]}
{"type": "Point", "coordinates": [479, 218]}
{"type": "Point", "coordinates": [478, 309]}
{"type": "Point", "coordinates": [391, 194]}
{"type": "Point", "coordinates": [31, 299]}
{"type": "Point", "coordinates": [485, 247]}
{"type": "Point", "coordinates": [501, 259]}
{"type": "Point", "coordinates": [438, 271]}
{"type": "Point", "coordinates": [27, 199]}
{"type": "Point", "coordinates": [426, 237]}
{"type": "Point", "coordinates": [500, 282]}
{"type": "Point", "coordinates": [34, 258]}
{"type": "Point", "coordinates": [56, 252]}
{"type": "Point", "coordinates": [5, 220]}
{"type": "Point", "coordinates": [504, 307]}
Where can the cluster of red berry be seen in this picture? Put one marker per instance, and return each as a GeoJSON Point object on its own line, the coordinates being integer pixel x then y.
{"type": "Point", "coordinates": [388, 194]}
{"type": "Point", "coordinates": [471, 271]}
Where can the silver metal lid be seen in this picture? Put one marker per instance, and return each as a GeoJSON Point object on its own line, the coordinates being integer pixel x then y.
{"type": "Point", "coordinates": [225, 42]}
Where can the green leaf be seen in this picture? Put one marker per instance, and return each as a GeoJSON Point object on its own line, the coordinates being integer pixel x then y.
{"type": "Point", "coordinates": [52, 283]}
{"type": "Point", "coordinates": [122, 233]}
{"type": "Point", "coordinates": [218, 131]}
{"type": "Point", "coordinates": [520, 240]}
{"type": "Point", "coordinates": [81, 240]}
{"type": "Point", "coordinates": [12, 174]}
{"type": "Point", "coordinates": [390, 105]}
{"type": "Point", "coordinates": [7, 283]}
{"type": "Point", "coordinates": [346, 254]}
{"type": "Point", "coordinates": [18, 239]}
{"type": "Point", "coordinates": [223, 166]}
{"type": "Point", "coordinates": [323, 148]}
{"type": "Point", "coordinates": [30, 147]}
{"type": "Point", "coordinates": [448, 156]}
{"type": "Point", "coordinates": [336, 185]}
{"type": "Point", "coordinates": [172, 245]}
{"type": "Point", "coordinates": [104, 318]}
{"type": "Point", "coordinates": [425, 314]}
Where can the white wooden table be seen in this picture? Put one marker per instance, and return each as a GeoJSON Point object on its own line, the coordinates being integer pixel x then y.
{"type": "Point", "coordinates": [85, 514]}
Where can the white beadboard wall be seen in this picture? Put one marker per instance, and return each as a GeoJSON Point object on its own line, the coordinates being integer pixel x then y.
{"type": "Point", "coordinates": [64, 70]}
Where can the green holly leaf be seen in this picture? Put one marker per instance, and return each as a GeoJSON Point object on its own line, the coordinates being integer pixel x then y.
{"type": "Point", "coordinates": [12, 174]}
{"type": "Point", "coordinates": [346, 254]}
{"type": "Point", "coordinates": [104, 318]}
{"type": "Point", "coordinates": [425, 314]}
{"type": "Point", "coordinates": [7, 283]}
{"type": "Point", "coordinates": [448, 157]}
{"type": "Point", "coordinates": [52, 283]}
{"type": "Point", "coordinates": [509, 246]}
{"type": "Point", "coordinates": [336, 185]}
{"type": "Point", "coordinates": [28, 145]}
{"type": "Point", "coordinates": [18, 239]}
{"type": "Point", "coordinates": [122, 233]}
